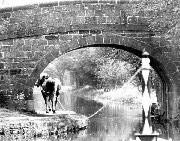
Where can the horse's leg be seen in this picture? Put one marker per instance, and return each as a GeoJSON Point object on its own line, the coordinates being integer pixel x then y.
{"type": "Point", "coordinates": [56, 96]}
{"type": "Point", "coordinates": [46, 102]}
{"type": "Point", "coordinates": [53, 103]}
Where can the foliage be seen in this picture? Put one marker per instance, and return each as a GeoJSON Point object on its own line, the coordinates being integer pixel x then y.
{"type": "Point", "coordinates": [115, 66]}
{"type": "Point", "coordinates": [103, 66]}
{"type": "Point", "coordinates": [114, 72]}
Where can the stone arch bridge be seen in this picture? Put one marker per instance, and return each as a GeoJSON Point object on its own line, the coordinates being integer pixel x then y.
{"type": "Point", "coordinates": [32, 36]}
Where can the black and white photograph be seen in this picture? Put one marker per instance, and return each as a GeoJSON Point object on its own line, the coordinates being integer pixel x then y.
{"type": "Point", "coordinates": [89, 70]}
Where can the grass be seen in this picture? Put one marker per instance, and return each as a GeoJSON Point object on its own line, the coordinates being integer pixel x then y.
{"type": "Point", "coordinates": [128, 95]}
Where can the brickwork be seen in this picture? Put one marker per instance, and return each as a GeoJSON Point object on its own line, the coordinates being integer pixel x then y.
{"type": "Point", "coordinates": [32, 36]}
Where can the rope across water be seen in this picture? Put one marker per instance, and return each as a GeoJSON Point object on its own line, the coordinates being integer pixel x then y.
{"type": "Point", "coordinates": [86, 118]}
{"type": "Point", "coordinates": [125, 84]}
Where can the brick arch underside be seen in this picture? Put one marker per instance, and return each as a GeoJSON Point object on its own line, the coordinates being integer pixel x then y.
{"type": "Point", "coordinates": [117, 41]}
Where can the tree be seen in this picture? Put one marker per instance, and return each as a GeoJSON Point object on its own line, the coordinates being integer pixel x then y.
{"type": "Point", "coordinates": [100, 67]}
{"type": "Point", "coordinates": [114, 72]}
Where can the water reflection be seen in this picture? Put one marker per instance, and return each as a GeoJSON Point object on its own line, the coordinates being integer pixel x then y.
{"type": "Point", "coordinates": [114, 122]}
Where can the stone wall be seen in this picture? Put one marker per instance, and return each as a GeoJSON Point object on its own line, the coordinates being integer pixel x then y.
{"type": "Point", "coordinates": [34, 35]}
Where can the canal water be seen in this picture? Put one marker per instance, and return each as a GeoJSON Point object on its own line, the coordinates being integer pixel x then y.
{"type": "Point", "coordinates": [116, 122]}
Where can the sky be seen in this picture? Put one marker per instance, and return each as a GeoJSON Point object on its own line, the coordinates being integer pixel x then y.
{"type": "Point", "coordinates": [13, 3]}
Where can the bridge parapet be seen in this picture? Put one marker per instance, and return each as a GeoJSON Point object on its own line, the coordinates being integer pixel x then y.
{"type": "Point", "coordinates": [61, 17]}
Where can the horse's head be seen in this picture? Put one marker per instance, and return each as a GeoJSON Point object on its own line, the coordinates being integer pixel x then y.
{"type": "Point", "coordinates": [41, 80]}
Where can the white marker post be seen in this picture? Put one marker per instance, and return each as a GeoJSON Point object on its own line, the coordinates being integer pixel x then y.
{"type": "Point", "coordinates": [147, 133]}
{"type": "Point", "coordinates": [146, 99]}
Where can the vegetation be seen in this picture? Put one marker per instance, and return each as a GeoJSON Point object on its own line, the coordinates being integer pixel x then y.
{"type": "Point", "coordinates": [100, 67]}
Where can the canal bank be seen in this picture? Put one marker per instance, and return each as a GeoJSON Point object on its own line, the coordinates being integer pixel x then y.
{"type": "Point", "coordinates": [16, 125]}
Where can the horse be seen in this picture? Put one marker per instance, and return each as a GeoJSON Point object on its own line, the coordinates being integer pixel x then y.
{"type": "Point", "coordinates": [50, 89]}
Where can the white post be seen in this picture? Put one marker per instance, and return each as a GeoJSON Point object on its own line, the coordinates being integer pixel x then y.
{"type": "Point", "coordinates": [146, 100]}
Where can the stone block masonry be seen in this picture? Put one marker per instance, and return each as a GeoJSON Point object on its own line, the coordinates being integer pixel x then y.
{"type": "Point", "coordinates": [32, 36]}
{"type": "Point", "coordinates": [30, 125]}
